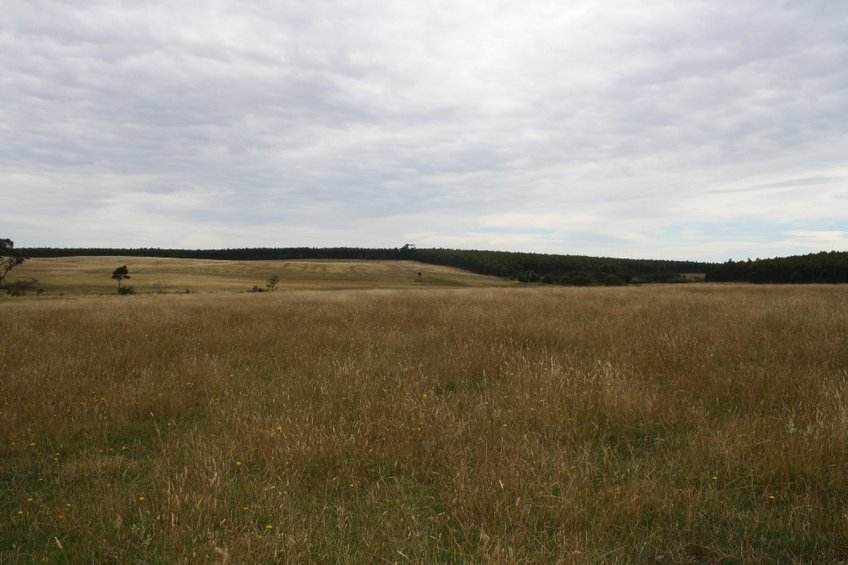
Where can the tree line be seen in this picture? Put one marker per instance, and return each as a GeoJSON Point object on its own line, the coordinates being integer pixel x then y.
{"type": "Point", "coordinates": [526, 267]}
{"type": "Point", "coordinates": [576, 270]}
{"type": "Point", "coordinates": [823, 267]}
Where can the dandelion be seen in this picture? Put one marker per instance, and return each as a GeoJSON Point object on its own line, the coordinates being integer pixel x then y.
{"type": "Point", "coordinates": [772, 497]}
{"type": "Point", "coordinates": [238, 463]}
{"type": "Point", "coordinates": [141, 499]}
{"type": "Point", "coordinates": [20, 512]}
{"type": "Point", "coordinates": [29, 499]}
{"type": "Point", "coordinates": [67, 505]}
{"type": "Point", "coordinates": [246, 508]}
{"type": "Point", "coordinates": [269, 527]}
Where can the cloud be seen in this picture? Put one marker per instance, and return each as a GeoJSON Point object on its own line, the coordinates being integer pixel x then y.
{"type": "Point", "coordinates": [614, 129]}
{"type": "Point", "coordinates": [822, 239]}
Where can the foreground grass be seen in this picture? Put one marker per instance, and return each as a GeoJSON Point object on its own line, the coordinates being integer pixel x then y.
{"type": "Point", "coordinates": [91, 275]}
{"type": "Point", "coordinates": [580, 425]}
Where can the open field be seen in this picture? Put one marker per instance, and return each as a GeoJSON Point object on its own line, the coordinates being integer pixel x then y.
{"type": "Point", "coordinates": [674, 424]}
{"type": "Point", "coordinates": [91, 275]}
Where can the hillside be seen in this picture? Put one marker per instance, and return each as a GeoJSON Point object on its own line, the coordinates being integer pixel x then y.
{"type": "Point", "coordinates": [573, 270]}
{"type": "Point", "coordinates": [91, 275]}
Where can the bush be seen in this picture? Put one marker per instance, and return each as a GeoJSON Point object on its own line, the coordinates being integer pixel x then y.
{"type": "Point", "coordinates": [126, 290]}
{"type": "Point", "coordinates": [20, 287]}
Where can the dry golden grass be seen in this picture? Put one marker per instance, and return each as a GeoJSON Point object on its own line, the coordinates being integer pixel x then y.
{"type": "Point", "coordinates": [91, 275]}
{"type": "Point", "coordinates": [676, 424]}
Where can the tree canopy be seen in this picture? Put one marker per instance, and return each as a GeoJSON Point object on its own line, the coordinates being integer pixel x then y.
{"type": "Point", "coordinates": [9, 258]}
{"type": "Point", "coordinates": [120, 274]}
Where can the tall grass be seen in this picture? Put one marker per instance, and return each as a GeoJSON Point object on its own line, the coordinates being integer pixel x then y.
{"type": "Point", "coordinates": [683, 424]}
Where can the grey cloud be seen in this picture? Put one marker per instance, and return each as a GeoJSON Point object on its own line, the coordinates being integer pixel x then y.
{"type": "Point", "coordinates": [806, 181]}
{"type": "Point", "coordinates": [271, 121]}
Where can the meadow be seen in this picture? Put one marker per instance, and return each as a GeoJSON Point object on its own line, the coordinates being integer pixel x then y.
{"type": "Point", "coordinates": [74, 276]}
{"type": "Point", "coordinates": [682, 424]}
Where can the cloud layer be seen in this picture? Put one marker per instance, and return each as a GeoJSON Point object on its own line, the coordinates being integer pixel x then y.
{"type": "Point", "coordinates": [685, 129]}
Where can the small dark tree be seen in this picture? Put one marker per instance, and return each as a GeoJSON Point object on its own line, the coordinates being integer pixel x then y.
{"type": "Point", "coordinates": [272, 282]}
{"type": "Point", "coordinates": [9, 258]}
{"type": "Point", "coordinates": [120, 274]}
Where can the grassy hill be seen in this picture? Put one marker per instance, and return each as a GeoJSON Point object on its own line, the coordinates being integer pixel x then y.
{"type": "Point", "coordinates": [571, 270]}
{"type": "Point", "coordinates": [91, 275]}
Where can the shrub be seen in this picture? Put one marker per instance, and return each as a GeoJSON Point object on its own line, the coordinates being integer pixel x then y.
{"type": "Point", "coordinates": [20, 287]}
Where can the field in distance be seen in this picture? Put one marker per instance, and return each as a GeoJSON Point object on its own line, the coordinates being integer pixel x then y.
{"type": "Point", "coordinates": [653, 424]}
{"type": "Point", "coordinates": [91, 275]}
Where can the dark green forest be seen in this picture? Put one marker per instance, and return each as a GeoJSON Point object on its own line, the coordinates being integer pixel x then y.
{"type": "Point", "coordinates": [824, 267]}
{"type": "Point", "coordinates": [575, 270]}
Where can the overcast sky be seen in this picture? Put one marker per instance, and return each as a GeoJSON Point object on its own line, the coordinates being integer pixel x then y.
{"type": "Point", "coordinates": [655, 129]}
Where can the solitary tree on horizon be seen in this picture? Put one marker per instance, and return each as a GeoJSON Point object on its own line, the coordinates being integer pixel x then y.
{"type": "Point", "coordinates": [120, 274]}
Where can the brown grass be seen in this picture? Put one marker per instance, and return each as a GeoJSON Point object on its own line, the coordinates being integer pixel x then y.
{"type": "Point", "coordinates": [676, 424]}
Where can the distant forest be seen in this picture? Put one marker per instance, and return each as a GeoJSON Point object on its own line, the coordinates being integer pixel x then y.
{"type": "Point", "coordinates": [824, 267]}
{"type": "Point", "coordinates": [575, 270]}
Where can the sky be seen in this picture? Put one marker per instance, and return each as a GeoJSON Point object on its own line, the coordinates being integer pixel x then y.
{"type": "Point", "coordinates": [679, 129]}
